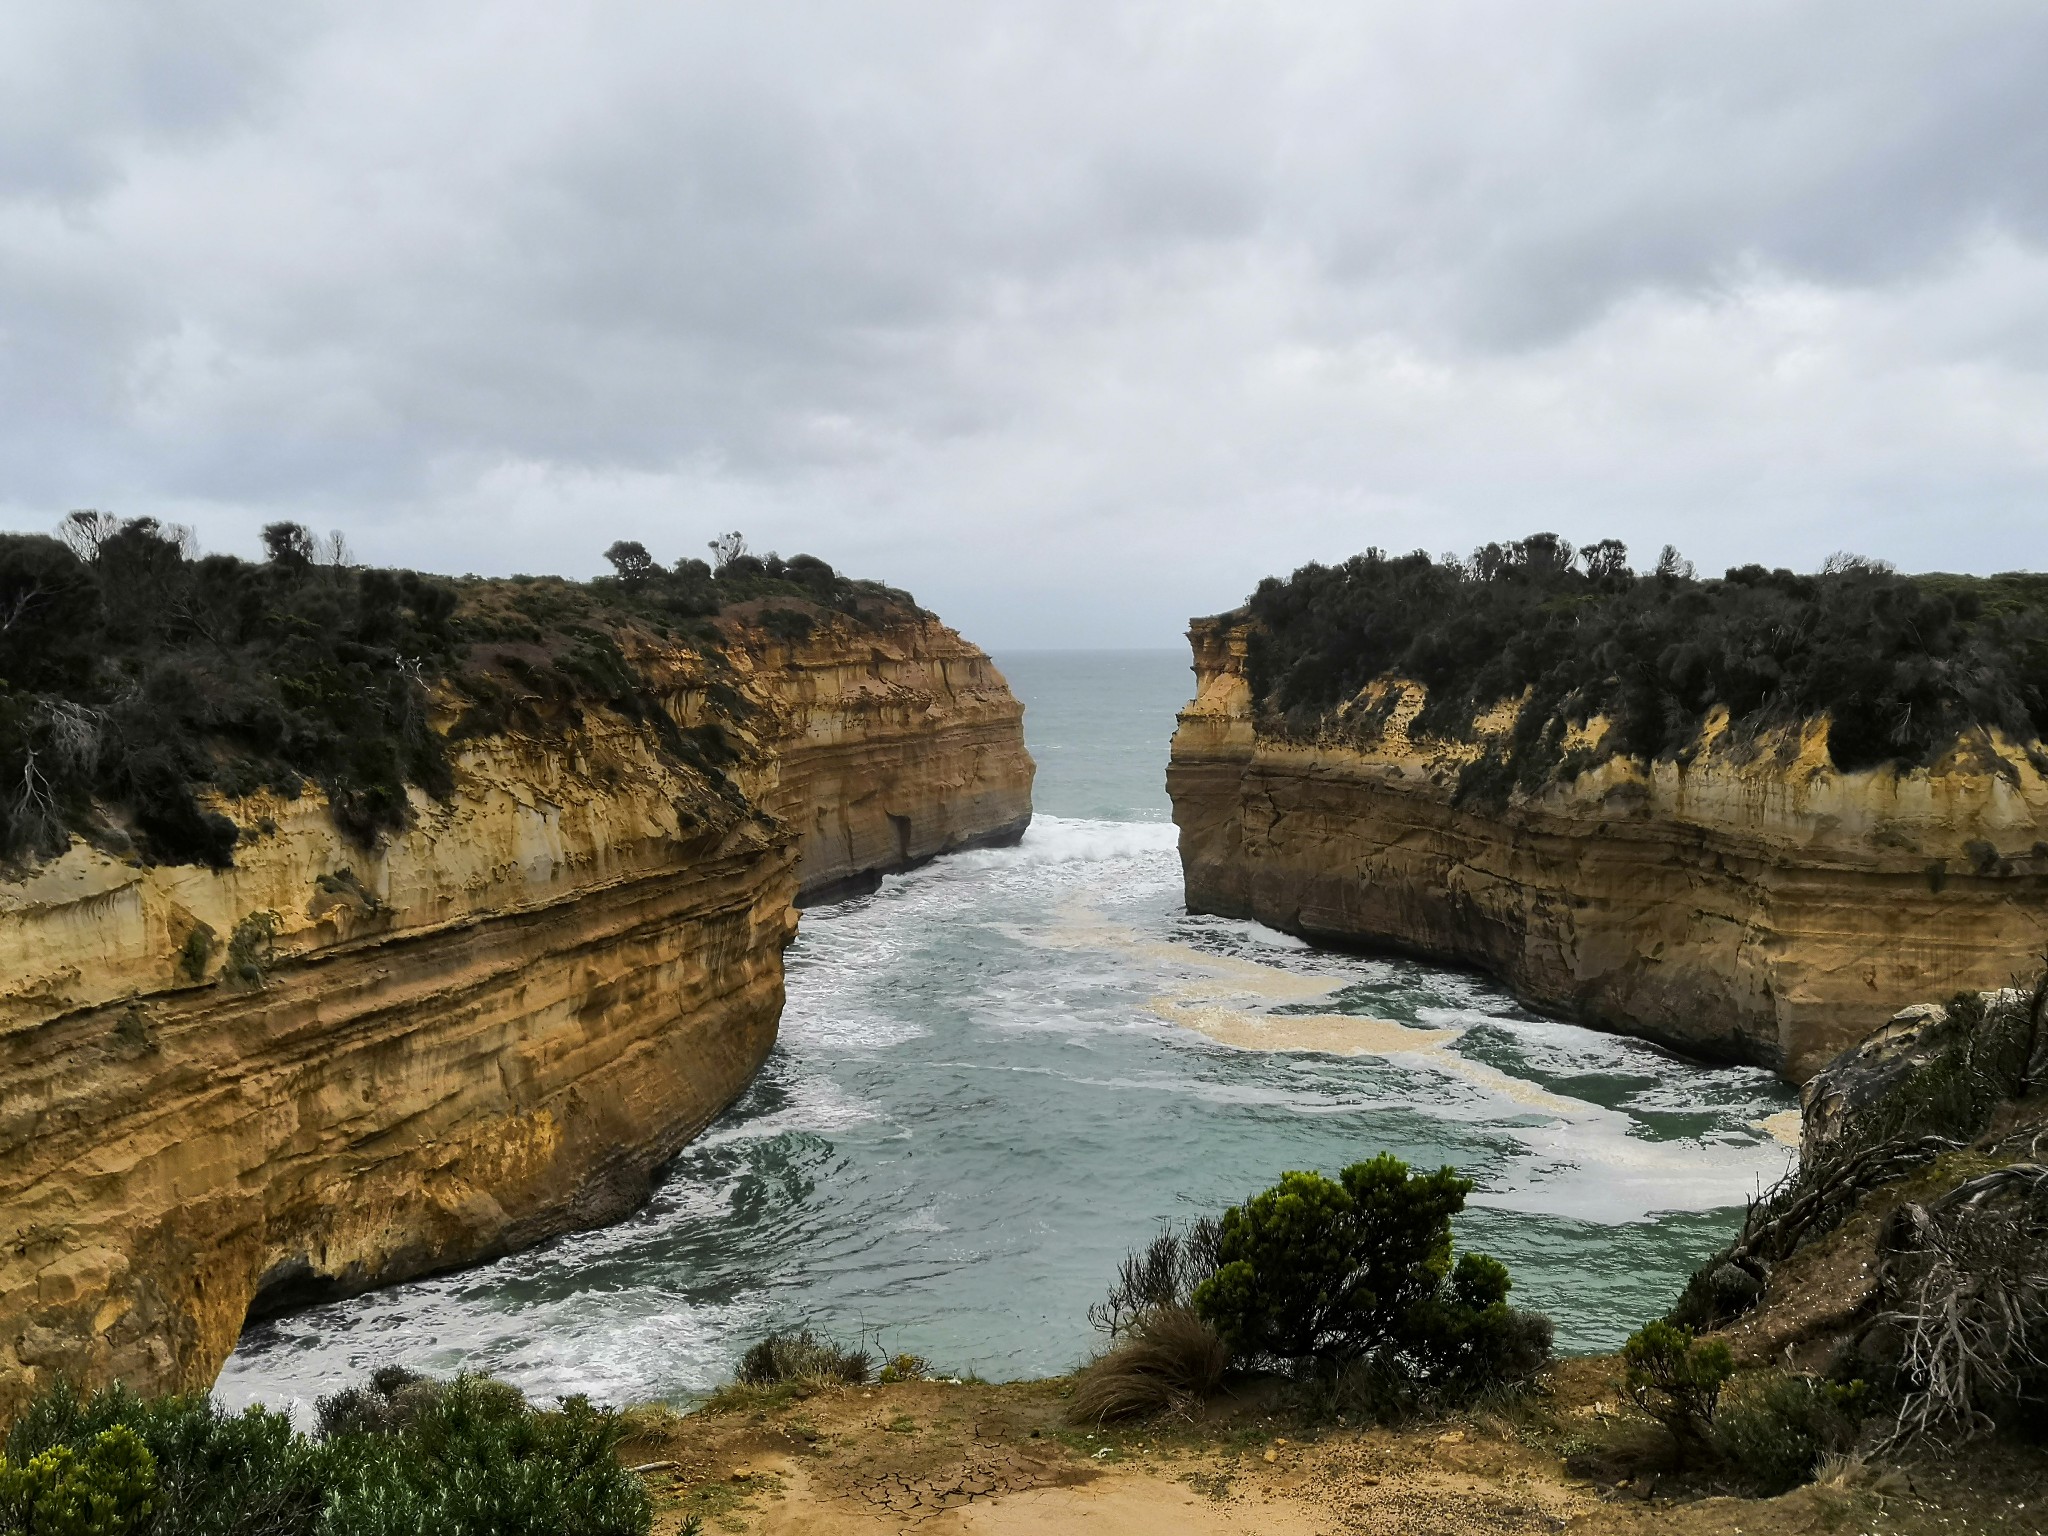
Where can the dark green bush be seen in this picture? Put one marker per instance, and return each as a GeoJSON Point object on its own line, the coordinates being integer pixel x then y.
{"type": "Point", "coordinates": [1319, 1274]}
{"type": "Point", "coordinates": [1900, 664]}
{"type": "Point", "coordinates": [1773, 1428]}
{"type": "Point", "coordinates": [1676, 1379]}
{"type": "Point", "coordinates": [406, 1455]}
{"type": "Point", "coordinates": [471, 1458]}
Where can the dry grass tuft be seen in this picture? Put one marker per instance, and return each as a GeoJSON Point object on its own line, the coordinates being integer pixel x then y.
{"type": "Point", "coordinates": [1167, 1359]}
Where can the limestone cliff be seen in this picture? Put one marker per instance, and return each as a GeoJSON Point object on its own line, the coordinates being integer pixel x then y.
{"type": "Point", "coordinates": [1750, 902]}
{"type": "Point", "coordinates": [333, 1066]}
{"type": "Point", "coordinates": [886, 746]}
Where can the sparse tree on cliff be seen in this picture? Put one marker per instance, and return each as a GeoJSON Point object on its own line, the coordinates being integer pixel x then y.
{"type": "Point", "coordinates": [630, 559]}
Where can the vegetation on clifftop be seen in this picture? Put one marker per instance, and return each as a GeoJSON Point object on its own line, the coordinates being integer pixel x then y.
{"type": "Point", "coordinates": [140, 680]}
{"type": "Point", "coordinates": [1900, 665]}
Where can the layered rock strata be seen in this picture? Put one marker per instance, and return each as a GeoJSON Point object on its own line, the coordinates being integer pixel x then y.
{"type": "Point", "coordinates": [330, 1068]}
{"type": "Point", "coordinates": [1751, 903]}
{"type": "Point", "coordinates": [886, 747]}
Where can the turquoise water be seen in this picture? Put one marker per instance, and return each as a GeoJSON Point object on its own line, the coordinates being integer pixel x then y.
{"type": "Point", "coordinates": [994, 1076]}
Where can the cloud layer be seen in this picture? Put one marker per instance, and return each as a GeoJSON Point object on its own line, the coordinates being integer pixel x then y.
{"type": "Point", "coordinates": [1073, 318]}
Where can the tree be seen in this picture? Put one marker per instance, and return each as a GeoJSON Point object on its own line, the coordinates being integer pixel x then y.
{"type": "Point", "coordinates": [728, 547]}
{"type": "Point", "coordinates": [630, 559]}
{"type": "Point", "coordinates": [292, 545]}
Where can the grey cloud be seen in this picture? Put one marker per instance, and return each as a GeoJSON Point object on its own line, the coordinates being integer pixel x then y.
{"type": "Point", "coordinates": [1123, 304]}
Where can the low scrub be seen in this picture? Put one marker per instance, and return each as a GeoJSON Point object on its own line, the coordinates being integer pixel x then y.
{"type": "Point", "coordinates": [802, 1356]}
{"type": "Point", "coordinates": [468, 1457]}
{"type": "Point", "coordinates": [1900, 666]}
{"type": "Point", "coordinates": [1774, 1429]}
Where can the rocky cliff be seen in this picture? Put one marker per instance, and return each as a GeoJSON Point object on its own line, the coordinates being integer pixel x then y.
{"type": "Point", "coordinates": [335, 1064]}
{"type": "Point", "coordinates": [886, 747]}
{"type": "Point", "coordinates": [1745, 900]}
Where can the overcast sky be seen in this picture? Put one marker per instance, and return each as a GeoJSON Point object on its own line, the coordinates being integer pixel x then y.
{"type": "Point", "coordinates": [1075, 319]}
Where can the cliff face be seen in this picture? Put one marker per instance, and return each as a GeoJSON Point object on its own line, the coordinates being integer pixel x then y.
{"type": "Point", "coordinates": [492, 1027]}
{"type": "Point", "coordinates": [1758, 905]}
{"type": "Point", "coordinates": [885, 747]}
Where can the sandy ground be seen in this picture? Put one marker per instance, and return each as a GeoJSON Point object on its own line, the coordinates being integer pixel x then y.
{"type": "Point", "coordinates": [940, 1459]}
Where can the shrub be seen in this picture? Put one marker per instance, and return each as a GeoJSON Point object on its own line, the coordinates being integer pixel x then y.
{"type": "Point", "coordinates": [1676, 1379]}
{"type": "Point", "coordinates": [250, 950]}
{"type": "Point", "coordinates": [105, 1489]}
{"type": "Point", "coordinates": [1168, 1358]}
{"type": "Point", "coordinates": [406, 1455]}
{"type": "Point", "coordinates": [216, 1474]}
{"type": "Point", "coordinates": [1775, 1428]}
{"type": "Point", "coordinates": [471, 1456]}
{"type": "Point", "coordinates": [801, 1355]}
{"type": "Point", "coordinates": [905, 1367]}
{"type": "Point", "coordinates": [1319, 1273]}
{"type": "Point", "coordinates": [1164, 1273]}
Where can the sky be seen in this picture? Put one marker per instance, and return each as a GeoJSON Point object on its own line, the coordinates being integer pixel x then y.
{"type": "Point", "coordinates": [1075, 319]}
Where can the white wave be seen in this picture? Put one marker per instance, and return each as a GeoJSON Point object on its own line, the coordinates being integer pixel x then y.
{"type": "Point", "coordinates": [1070, 840]}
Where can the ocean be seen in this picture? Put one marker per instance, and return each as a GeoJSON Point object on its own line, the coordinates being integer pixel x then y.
{"type": "Point", "coordinates": [1000, 1071]}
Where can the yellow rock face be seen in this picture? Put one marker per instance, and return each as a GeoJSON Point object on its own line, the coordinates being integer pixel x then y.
{"type": "Point", "coordinates": [1760, 906]}
{"type": "Point", "coordinates": [885, 751]}
{"type": "Point", "coordinates": [488, 1030]}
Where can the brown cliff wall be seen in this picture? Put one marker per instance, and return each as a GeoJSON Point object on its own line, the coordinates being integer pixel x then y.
{"type": "Point", "coordinates": [1760, 906]}
{"type": "Point", "coordinates": [491, 1028]}
{"type": "Point", "coordinates": [887, 746]}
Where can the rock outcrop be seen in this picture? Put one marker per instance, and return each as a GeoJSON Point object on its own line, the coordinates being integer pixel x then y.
{"type": "Point", "coordinates": [885, 747]}
{"type": "Point", "coordinates": [1751, 903]}
{"type": "Point", "coordinates": [331, 1067]}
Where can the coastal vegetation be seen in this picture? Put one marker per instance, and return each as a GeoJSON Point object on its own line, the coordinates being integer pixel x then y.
{"type": "Point", "coordinates": [143, 683]}
{"type": "Point", "coordinates": [1899, 665]}
{"type": "Point", "coordinates": [1347, 1284]}
{"type": "Point", "coordinates": [402, 1455]}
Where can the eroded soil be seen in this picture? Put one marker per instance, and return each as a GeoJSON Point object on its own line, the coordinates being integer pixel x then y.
{"type": "Point", "coordinates": [938, 1458]}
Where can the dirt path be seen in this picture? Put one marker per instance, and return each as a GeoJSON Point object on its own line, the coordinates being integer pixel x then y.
{"type": "Point", "coordinates": [949, 1460]}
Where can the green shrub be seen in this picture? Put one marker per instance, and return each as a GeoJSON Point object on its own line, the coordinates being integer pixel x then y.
{"type": "Point", "coordinates": [196, 953]}
{"type": "Point", "coordinates": [1318, 1273]}
{"type": "Point", "coordinates": [103, 1489]}
{"type": "Point", "coordinates": [801, 1355]}
{"type": "Point", "coordinates": [904, 1367]}
{"type": "Point", "coordinates": [1676, 1379]}
{"type": "Point", "coordinates": [469, 1458]}
{"type": "Point", "coordinates": [1774, 1428]}
{"type": "Point", "coordinates": [250, 950]}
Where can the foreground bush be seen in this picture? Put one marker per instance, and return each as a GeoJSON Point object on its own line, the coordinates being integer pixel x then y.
{"type": "Point", "coordinates": [1347, 1283]}
{"type": "Point", "coordinates": [1322, 1274]}
{"type": "Point", "coordinates": [407, 1455]}
{"type": "Point", "coordinates": [1676, 1379]}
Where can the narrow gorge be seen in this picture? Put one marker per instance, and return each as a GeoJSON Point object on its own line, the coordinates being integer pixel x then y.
{"type": "Point", "coordinates": [334, 1062]}
{"type": "Point", "coordinates": [1739, 896]}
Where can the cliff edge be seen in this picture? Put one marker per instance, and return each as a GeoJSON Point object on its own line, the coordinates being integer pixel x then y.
{"type": "Point", "coordinates": [1746, 898]}
{"type": "Point", "coordinates": [384, 991]}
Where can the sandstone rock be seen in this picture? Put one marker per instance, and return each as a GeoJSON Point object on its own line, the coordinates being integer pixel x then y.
{"type": "Point", "coordinates": [1748, 904]}
{"type": "Point", "coordinates": [491, 1028]}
